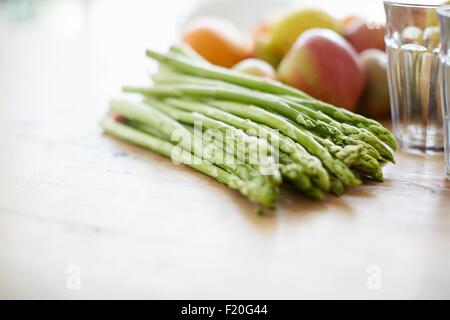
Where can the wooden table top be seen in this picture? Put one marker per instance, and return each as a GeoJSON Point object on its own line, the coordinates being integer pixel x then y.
{"type": "Point", "coordinates": [136, 226]}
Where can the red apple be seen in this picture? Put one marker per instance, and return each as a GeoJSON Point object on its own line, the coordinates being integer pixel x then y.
{"type": "Point", "coordinates": [323, 64]}
{"type": "Point", "coordinates": [375, 99]}
{"type": "Point", "coordinates": [363, 36]}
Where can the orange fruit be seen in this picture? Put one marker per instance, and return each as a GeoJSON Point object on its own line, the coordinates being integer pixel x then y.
{"type": "Point", "coordinates": [218, 41]}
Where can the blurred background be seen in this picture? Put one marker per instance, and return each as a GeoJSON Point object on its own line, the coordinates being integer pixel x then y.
{"type": "Point", "coordinates": [103, 41]}
{"type": "Point", "coordinates": [88, 49]}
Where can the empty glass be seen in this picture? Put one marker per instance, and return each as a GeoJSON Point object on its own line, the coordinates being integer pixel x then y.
{"type": "Point", "coordinates": [444, 19]}
{"type": "Point", "coordinates": [412, 43]}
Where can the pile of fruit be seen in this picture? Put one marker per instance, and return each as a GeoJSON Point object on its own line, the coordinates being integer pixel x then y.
{"type": "Point", "coordinates": [339, 62]}
{"type": "Point", "coordinates": [249, 132]}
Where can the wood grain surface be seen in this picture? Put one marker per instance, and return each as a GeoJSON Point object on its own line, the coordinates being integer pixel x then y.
{"type": "Point", "coordinates": [138, 226]}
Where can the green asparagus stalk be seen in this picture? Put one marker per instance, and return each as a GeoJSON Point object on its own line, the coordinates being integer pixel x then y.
{"type": "Point", "coordinates": [293, 173]}
{"type": "Point", "coordinates": [250, 147]}
{"type": "Point", "coordinates": [290, 170]}
{"type": "Point", "coordinates": [336, 186]}
{"type": "Point", "coordinates": [349, 134]}
{"type": "Point", "coordinates": [348, 131]}
{"type": "Point", "coordinates": [354, 157]}
{"type": "Point", "coordinates": [348, 154]}
{"type": "Point", "coordinates": [346, 116]}
{"type": "Point", "coordinates": [168, 76]}
{"type": "Point", "coordinates": [323, 125]}
{"type": "Point", "coordinates": [365, 137]}
{"type": "Point", "coordinates": [205, 70]}
{"type": "Point", "coordinates": [144, 128]}
{"type": "Point", "coordinates": [215, 72]}
{"type": "Point", "coordinates": [335, 166]}
{"type": "Point", "coordinates": [319, 147]}
{"type": "Point", "coordinates": [167, 126]}
{"type": "Point", "coordinates": [215, 154]}
{"type": "Point", "coordinates": [351, 155]}
{"type": "Point", "coordinates": [261, 195]}
{"type": "Point", "coordinates": [358, 156]}
{"type": "Point", "coordinates": [369, 167]}
{"type": "Point", "coordinates": [186, 51]}
{"type": "Point", "coordinates": [310, 165]}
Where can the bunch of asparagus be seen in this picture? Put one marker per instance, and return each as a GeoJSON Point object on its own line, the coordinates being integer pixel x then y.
{"type": "Point", "coordinates": [317, 147]}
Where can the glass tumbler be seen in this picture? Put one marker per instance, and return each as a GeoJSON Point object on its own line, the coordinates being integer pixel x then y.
{"type": "Point", "coordinates": [444, 19]}
{"type": "Point", "coordinates": [412, 44]}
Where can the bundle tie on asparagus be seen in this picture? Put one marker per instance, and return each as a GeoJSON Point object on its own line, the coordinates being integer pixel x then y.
{"type": "Point", "coordinates": [315, 146]}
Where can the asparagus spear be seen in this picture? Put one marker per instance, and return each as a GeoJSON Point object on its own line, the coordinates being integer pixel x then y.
{"type": "Point", "coordinates": [168, 76]}
{"type": "Point", "coordinates": [335, 166]}
{"type": "Point", "coordinates": [215, 72]}
{"type": "Point", "coordinates": [167, 126]}
{"type": "Point", "coordinates": [355, 136]}
{"type": "Point", "coordinates": [205, 151]}
{"type": "Point", "coordinates": [321, 147]}
{"type": "Point", "coordinates": [354, 157]}
{"type": "Point", "coordinates": [251, 148]}
{"type": "Point", "coordinates": [290, 170]}
{"type": "Point", "coordinates": [346, 116]}
{"type": "Point", "coordinates": [372, 154]}
{"type": "Point", "coordinates": [215, 154]}
{"type": "Point", "coordinates": [293, 173]}
{"type": "Point", "coordinates": [310, 119]}
{"type": "Point", "coordinates": [186, 51]}
{"type": "Point", "coordinates": [358, 156]}
{"type": "Point", "coordinates": [359, 134]}
{"type": "Point", "coordinates": [310, 165]}
{"type": "Point", "coordinates": [261, 195]}
{"type": "Point", "coordinates": [336, 186]}
{"type": "Point", "coordinates": [206, 70]}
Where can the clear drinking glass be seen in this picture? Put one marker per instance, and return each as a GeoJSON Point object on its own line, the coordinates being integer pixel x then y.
{"type": "Point", "coordinates": [444, 19]}
{"type": "Point", "coordinates": [412, 43]}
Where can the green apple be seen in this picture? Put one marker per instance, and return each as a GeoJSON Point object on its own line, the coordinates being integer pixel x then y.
{"type": "Point", "coordinates": [275, 37]}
